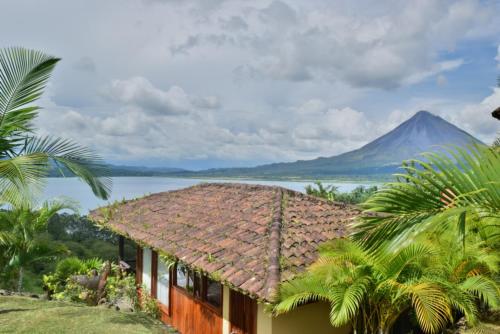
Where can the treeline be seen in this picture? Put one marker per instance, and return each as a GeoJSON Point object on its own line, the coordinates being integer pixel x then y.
{"type": "Point", "coordinates": [330, 192]}
{"type": "Point", "coordinates": [71, 235]}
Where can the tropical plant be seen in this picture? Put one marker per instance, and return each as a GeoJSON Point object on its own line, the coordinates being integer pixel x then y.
{"type": "Point", "coordinates": [20, 230]}
{"type": "Point", "coordinates": [25, 160]}
{"type": "Point", "coordinates": [459, 186]}
{"type": "Point", "coordinates": [319, 190]}
{"type": "Point", "coordinates": [370, 291]}
{"type": "Point", "coordinates": [331, 193]}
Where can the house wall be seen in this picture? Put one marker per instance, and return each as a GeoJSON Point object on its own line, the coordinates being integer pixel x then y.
{"type": "Point", "coordinates": [226, 324]}
{"type": "Point", "coordinates": [311, 318]}
{"type": "Point", "coordinates": [190, 316]}
{"type": "Point", "coordinates": [146, 268]}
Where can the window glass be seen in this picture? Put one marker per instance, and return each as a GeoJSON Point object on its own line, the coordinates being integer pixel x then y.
{"type": "Point", "coordinates": [197, 287]}
{"type": "Point", "coordinates": [214, 293]}
{"type": "Point", "coordinates": [182, 276]}
{"type": "Point", "coordinates": [190, 281]}
{"type": "Point", "coordinates": [163, 282]}
{"type": "Point", "coordinates": [146, 268]}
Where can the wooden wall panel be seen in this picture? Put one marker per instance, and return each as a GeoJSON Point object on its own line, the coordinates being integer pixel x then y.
{"type": "Point", "coordinates": [191, 317]}
{"type": "Point", "coordinates": [242, 314]}
{"type": "Point", "coordinates": [154, 273]}
{"type": "Point", "coordinates": [138, 266]}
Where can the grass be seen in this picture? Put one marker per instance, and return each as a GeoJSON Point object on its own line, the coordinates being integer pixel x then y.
{"type": "Point", "coordinates": [28, 315]}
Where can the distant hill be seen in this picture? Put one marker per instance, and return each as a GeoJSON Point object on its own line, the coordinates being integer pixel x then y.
{"type": "Point", "coordinates": [118, 170]}
{"type": "Point", "coordinates": [421, 133]}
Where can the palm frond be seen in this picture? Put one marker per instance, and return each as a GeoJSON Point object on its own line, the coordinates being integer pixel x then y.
{"type": "Point", "coordinates": [23, 76]}
{"type": "Point", "coordinates": [484, 288]}
{"type": "Point", "coordinates": [436, 190]}
{"type": "Point", "coordinates": [79, 160]}
{"type": "Point", "coordinates": [431, 306]}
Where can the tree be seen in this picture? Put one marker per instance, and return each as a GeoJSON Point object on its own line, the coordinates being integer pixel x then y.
{"type": "Point", "coordinates": [456, 187]}
{"type": "Point", "coordinates": [25, 160]}
{"type": "Point", "coordinates": [331, 193]}
{"type": "Point", "coordinates": [20, 242]}
{"type": "Point", "coordinates": [370, 291]}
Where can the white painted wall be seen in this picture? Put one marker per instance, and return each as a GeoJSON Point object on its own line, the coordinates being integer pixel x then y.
{"type": "Point", "coordinates": [225, 310]}
{"type": "Point", "coordinates": [162, 283]}
{"type": "Point", "coordinates": [146, 268]}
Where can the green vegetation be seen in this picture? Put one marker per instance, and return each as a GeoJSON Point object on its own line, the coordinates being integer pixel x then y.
{"type": "Point", "coordinates": [461, 187]}
{"type": "Point", "coordinates": [25, 160]}
{"type": "Point", "coordinates": [21, 243]}
{"type": "Point", "coordinates": [370, 291]}
{"type": "Point", "coordinates": [47, 317]}
{"type": "Point", "coordinates": [66, 236]}
{"type": "Point", "coordinates": [426, 250]}
{"type": "Point", "coordinates": [26, 247]}
{"type": "Point", "coordinates": [357, 195]}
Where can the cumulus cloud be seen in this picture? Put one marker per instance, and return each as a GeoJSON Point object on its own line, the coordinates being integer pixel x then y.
{"type": "Point", "coordinates": [363, 48]}
{"type": "Point", "coordinates": [477, 119]}
{"type": "Point", "coordinates": [255, 80]}
{"type": "Point", "coordinates": [138, 91]}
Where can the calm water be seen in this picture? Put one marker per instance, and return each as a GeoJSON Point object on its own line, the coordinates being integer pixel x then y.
{"type": "Point", "coordinates": [133, 187]}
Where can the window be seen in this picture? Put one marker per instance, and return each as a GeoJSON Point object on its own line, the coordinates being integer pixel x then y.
{"type": "Point", "coordinates": [146, 268]}
{"type": "Point", "coordinates": [182, 275]}
{"type": "Point", "coordinates": [213, 293]}
{"type": "Point", "coordinates": [199, 286]}
{"type": "Point", "coordinates": [163, 282]}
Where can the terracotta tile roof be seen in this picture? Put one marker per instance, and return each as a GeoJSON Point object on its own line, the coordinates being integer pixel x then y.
{"type": "Point", "coordinates": [250, 237]}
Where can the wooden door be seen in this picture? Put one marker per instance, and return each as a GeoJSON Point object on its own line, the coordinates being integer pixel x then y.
{"type": "Point", "coordinates": [242, 314]}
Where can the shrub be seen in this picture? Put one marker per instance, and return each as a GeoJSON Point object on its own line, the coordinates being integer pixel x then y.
{"type": "Point", "coordinates": [149, 305]}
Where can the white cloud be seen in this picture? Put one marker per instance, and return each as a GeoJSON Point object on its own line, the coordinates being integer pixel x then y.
{"type": "Point", "coordinates": [138, 91]}
{"type": "Point", "coordinates": [343, 43]}
{"type": "Point", "coordinates": [477, 119]}
{"type": "Point", "coordinates": [255, 80]}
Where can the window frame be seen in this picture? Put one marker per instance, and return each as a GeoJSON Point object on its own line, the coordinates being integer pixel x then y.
{"type": "Point", "coordinates": [201, 286]}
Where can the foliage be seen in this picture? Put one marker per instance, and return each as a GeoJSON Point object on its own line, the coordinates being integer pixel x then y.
{"type": "Point", "coordinates": [122, 287]}
{"type": "Point", "coordinates": [84, 239]}
{"type": "Point", "coordinates": [331, 193]}
{"type": "Point", "coordinates": [77, 237]}
{"type": "Point", "coordinates": [20, 241]}
{"type": "Point", "coordinates": [25, 160]}
{"type": "Point", "coordinates": [149, 305]}
{"type": "Point", "coordinates": [460, 186]}
{"type": "Point", "coordinates": [370, 291]}
{"type": "Point", "coordinates": [60, 284]}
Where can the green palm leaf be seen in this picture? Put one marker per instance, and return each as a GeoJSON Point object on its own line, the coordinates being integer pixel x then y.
{"type": "Point", "coordinates": [25, 160]}
{"type": "Point", "coordinates": [23, 76]}
{"type": "Point", "coordinates": [434, 192]}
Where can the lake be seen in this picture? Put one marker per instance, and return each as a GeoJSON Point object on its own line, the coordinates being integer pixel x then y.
{"type": "Point", "coordinates": [133, 187]}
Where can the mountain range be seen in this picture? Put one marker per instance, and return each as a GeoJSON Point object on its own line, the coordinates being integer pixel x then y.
{"type": "Point", "coordinates": [423, 132]}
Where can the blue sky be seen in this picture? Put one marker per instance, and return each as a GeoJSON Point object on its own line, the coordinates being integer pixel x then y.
{"type": "Point", "coordinates": [216, 83]}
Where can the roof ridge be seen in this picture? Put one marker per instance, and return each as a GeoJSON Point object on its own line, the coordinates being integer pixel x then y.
{"type": "Point", "coordinates": [274, 271]}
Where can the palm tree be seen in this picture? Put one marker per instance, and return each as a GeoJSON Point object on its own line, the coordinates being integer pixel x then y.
{"type": "Point", "coordinates": [370, 291]}
{"type": "Point", "coordinates": [455, 187]}
{"type": "Point", "coordinates": [20, 230]}
{"type": "Point", "coordinates": [25, 160]}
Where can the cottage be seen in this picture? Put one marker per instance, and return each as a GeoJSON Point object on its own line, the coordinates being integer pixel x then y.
{"type": "Point", "coordinates": [214, 255]}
